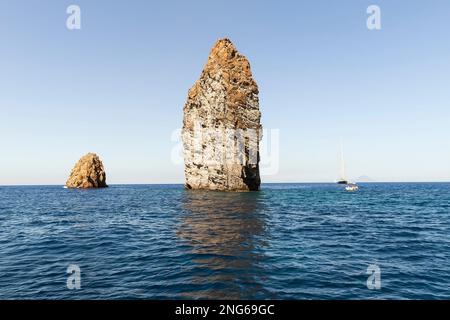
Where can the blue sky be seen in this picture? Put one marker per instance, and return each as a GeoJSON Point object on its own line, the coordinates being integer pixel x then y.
{"type": "Point", "coordinates": [117, 86]}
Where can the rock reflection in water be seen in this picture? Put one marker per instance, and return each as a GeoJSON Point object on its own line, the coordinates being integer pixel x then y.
{"type": "Point", "coordinates": [226, 234]}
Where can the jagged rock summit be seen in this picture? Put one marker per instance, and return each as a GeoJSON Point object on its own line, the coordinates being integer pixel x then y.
{"type": "Point", "coordinates": [221, 124]}
{"type": "Point", "coordinates": [87, 173]}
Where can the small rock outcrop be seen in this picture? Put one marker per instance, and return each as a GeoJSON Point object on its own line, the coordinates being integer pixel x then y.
{"type": "Point", "coordinates": [87, 173]}
{"type": "Point", "coordinates": [221, 124]}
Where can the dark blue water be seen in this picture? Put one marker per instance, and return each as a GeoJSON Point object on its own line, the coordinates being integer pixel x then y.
{"type": "Point", "coordinates": [289, 241]}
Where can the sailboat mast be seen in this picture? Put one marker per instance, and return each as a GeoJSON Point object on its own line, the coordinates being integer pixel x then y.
{"type": "Point", "coordinates": [342, 161]}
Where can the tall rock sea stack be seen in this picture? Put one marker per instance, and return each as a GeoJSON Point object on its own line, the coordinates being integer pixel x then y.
{"type": "Point", "coordinates": [87, 173]}
{"type": "Point", "coordinates": [221, 124]}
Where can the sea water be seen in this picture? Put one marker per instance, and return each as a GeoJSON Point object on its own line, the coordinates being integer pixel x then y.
{"type": "Point", "coordinates": [288, 241]}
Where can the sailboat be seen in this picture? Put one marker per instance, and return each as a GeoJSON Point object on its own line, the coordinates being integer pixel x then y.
{"type": "Point", "coordinates": [342, 179]}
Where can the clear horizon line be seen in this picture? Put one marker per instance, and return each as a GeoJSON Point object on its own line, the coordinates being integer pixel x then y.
{"type": "Point", "coordinates": [264, 183]}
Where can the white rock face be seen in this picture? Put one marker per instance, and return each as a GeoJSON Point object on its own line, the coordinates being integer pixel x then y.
{"type": "Point", "coordinates": [221, 125]}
